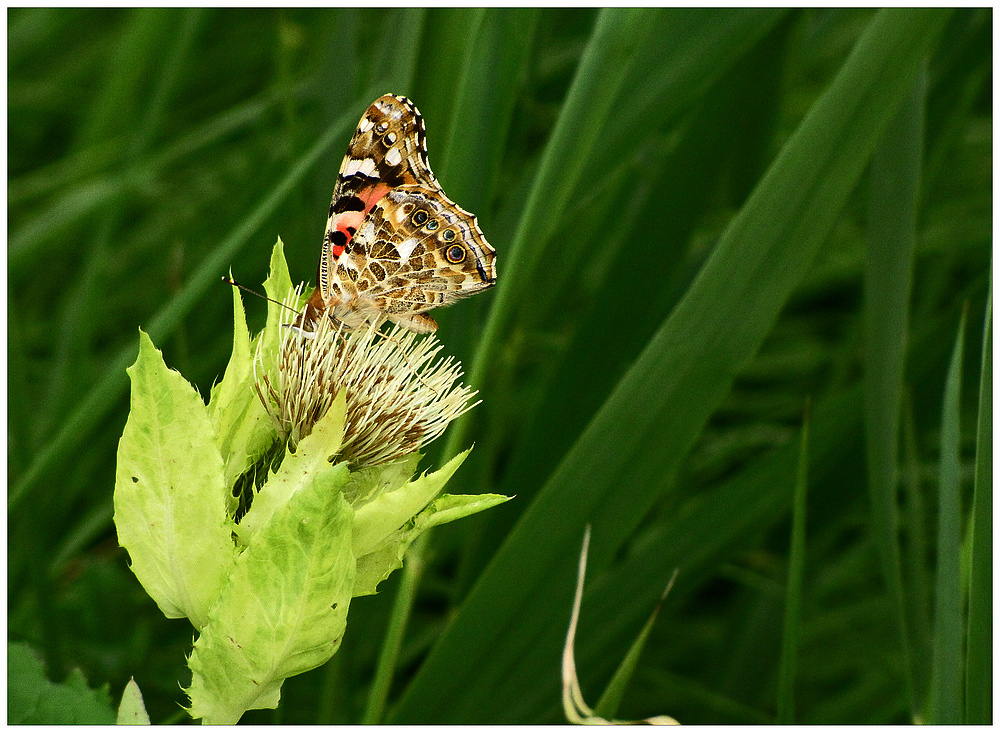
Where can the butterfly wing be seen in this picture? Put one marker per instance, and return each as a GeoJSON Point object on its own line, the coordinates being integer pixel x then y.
{"type": "Point", "coordinates": [395, 245]}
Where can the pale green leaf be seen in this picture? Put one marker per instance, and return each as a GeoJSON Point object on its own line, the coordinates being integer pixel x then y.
{"type": "Point", "coordinates": [368, 482]}
{"type": "Point", "coordinates": [283, 610]}
{"type": "Point", "coordinates": [170, 494]}
{"type": "Point", "coordinates": [450, 507]}
{"type": "Point", "coordinates": [132, 710]}
{"type": "Point", "coordinates": [308, 467]}
{"type": "Point", "coordinates": [388, 511]}
{"type": "Point", "coordinates": [379, 563]}
{"type": "Point", "coordinates": [240, 419]}
{"type": "Point", "coordinates": [277, 287]}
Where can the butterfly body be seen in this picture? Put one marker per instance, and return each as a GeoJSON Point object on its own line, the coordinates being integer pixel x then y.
{"type": "Point", "coordinates": [395, 246]}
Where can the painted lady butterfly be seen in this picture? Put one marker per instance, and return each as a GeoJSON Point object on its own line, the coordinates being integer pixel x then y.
{"type": "Point", "coordinates": [395, 245]}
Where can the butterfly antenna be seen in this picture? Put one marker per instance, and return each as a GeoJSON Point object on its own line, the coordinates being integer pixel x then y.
{"type": "Point", "coordinates": [241, 286]}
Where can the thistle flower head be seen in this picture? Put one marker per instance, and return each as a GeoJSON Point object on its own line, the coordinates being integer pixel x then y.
{"type": "Point", "coordinates": [400, 395]}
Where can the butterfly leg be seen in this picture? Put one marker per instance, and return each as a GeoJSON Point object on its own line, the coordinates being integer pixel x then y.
{"type": "Point", "coordinates": [417, 322]}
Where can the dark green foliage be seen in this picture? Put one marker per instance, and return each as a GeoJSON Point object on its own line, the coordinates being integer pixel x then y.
{"type": "Point", "coordinates": [32, 699]}
{"type": "Point", "coordinates": [702, 219]}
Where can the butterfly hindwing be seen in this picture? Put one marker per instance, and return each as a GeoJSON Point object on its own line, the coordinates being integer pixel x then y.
{"type": "Point", "coordinates": [425, 250]}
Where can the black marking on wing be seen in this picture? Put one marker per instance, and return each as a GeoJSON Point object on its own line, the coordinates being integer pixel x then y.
{"type": "Point", "coordinates": [346, 203]}
{"type": "Point", "coordinates": [482, 273]}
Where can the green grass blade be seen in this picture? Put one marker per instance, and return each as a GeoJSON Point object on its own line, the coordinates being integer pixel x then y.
{"type": "Point", "coordinates": [714, 526]}
{"type": "Point", "coordinates": [63, 172]}
{"type": "Point", "coordinates": [143, 32]}
{"type": "Point", "coordinates": [793, 592]}
{"type": "Point", "coordinates": [892, 235]}
{"type": "Point", "coordinates": [960, 79]}
{"type": "Point", "coordinates": [709, 699]}
{"type": "Point", "coordinates": [687, 51]}
{"type": "Point", "coordinates": [979, 646]}
{"type": "Point", "coordinates": [69, 209]}
{"type": "Point", "coordinates": [588, 104]}
{"type": "Point", "coordinates": [86, 529]}
{"type": "Point", "coordinates": [917, 574]}
{"type": "Point", "coordinates": [393, 639]}
{"type": "Point", "coordinates": [611, 698]}
{"type": "Point", "coordinates": [398, 51]}
{"type": "Point", "coordinates": [483, 98]}
{"type": "Point", "coordinates": [77, 321]}
{"type": "Point", "coordinates": [442, 53]}
{"type": "Point", "coordinates": [946, 679]}
{"type": "Point", "coordinates": [29, 27]}
{"type": "Point", "coordinates": [169, 78]}
{"type": "Point", "coordinates": [633, 445]}
{"type": "Point", "coordinates": [656, 200]}
{"type": "Point", "coordinates": [483, 104]}
{"type": "Point", "coordinates": [82, 199]}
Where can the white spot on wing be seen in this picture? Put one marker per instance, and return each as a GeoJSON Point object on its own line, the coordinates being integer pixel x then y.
{"type": "Point", "coordinates": [356, 165]}
{"type": "Point", "coordinates": [393, 157]}
{"type": "Point", "coordinates": [405, 249]}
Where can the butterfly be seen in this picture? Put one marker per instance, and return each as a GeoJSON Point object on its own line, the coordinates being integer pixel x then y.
{"type": "Point", "coordinates": [395, 246]}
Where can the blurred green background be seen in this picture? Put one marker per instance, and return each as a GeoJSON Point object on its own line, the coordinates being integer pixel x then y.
{"type": "Point", "coordinates": [705, 220]}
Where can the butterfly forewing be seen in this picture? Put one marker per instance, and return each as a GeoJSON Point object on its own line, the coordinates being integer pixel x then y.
{"type": "Point", "coordinates": [389, 147]}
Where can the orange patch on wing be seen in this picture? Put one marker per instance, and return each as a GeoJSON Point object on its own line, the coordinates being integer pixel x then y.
{"type": "Point", "coordinates": [372, 196]}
